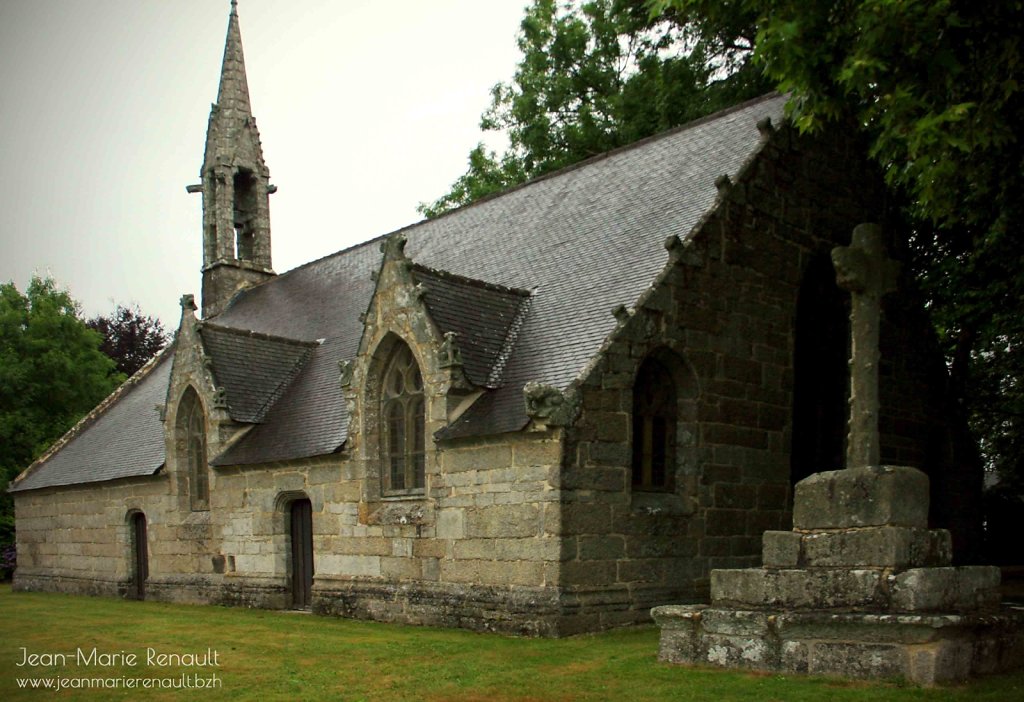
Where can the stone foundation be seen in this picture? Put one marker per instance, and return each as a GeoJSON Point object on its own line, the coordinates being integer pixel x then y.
{"type": "Point", "coordinates": [921, 648]}
{"type": "Point", "coordinates": [527, 611]}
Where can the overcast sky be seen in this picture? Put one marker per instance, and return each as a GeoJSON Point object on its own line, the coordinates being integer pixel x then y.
{"type": "Point", "coordinates": [365, 109]}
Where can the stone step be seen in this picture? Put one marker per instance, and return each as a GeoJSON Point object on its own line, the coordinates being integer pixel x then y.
{"type": "Point", "coordinates": [898, 548]}
{"type": "Point", "coordinates": [860, 497]}
{"type": "Point", "coordinates": [961, 589]}
{"type": "Point", "coordinates": [964, 589]}
{"type": "Point", "coordinates": [760, 588]}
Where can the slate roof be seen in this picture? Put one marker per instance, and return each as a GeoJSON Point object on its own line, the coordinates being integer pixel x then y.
{"type": "Point", "coordinates": [582, 241]}
{"type": "Point", "coordinates": [486, 318]}
{"type": "Point", "coordinates": [254, 369]}
{"type": "Point", "coordinates": [309, 420]}
{"type": "Point", "coordinates": [122, 438]}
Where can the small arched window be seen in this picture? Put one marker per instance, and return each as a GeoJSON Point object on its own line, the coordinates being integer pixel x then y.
{"type": "Point", "coordinates": [402, 415]}
{"type": "Point", "coordinates": [192, 439]}
{"type": "Point", "coordinates": [654, 427]}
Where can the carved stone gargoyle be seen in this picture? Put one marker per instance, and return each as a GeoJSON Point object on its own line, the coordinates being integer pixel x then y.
{"type": "Point", "coordinates": [450, 356]}
{"type": "Point", "coordinates": [548, 406]}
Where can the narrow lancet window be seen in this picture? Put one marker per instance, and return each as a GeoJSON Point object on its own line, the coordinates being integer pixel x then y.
{"type": "Point", "coordinates": [654, 427]}
{"type": "Point", "coordinates": [192, 443]}
{"type": "Point", "coordinates": [403, 415]}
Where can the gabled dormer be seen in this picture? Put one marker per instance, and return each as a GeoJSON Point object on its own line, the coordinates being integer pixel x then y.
{"type": "Point", "coordinates": [235, 186]}
{"type": "Point", "coordinates": [434, 343]}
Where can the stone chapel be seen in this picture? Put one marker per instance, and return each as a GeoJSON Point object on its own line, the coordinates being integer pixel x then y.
{"type": "Point", "coordinates": [543, 413]}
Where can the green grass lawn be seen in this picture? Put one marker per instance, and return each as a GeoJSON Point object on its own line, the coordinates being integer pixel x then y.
{"type": "Point", "coordinates": [266, 655]}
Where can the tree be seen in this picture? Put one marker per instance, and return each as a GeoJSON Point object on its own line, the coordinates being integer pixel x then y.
{"type": "Point", "coordinates": [52, 372]}
{"type": "Point", "coordinates": [129, 337]}
{"type": "Point", "coordinates": [938, 88]}
{"type": "Point", "coordinates": [594, 76]}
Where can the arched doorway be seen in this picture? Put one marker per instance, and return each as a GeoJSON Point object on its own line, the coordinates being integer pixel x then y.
{"type": "Point", "coordinates": [301, 531]}
{"type": "Point", "coordinates": [140, 557]}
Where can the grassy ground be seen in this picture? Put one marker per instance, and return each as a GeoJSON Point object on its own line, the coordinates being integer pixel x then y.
{"type": "Point", "coordinates": [284, 656]}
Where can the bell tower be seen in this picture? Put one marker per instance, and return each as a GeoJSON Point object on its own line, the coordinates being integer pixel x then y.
{"type": "Point", "coordinates": [235, 186]}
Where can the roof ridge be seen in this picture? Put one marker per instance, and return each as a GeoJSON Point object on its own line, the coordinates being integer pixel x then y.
{"type": "Point", "coordinates": [613, 152]}
{"type": "Point", "coordinates": [252, 333]}
{"type": "Point", "coordinates": [279, 390]}
{"type": "Point", "coordinates": [94, 414]}
{"type": "Point", "coordinates": [347, 249]}
{"type": "Point", "coordinates": [472, 281]}
{"type": "Point", "coordinates": [509, 343]}
{"type": "Point", "coordinates": [553, 174]}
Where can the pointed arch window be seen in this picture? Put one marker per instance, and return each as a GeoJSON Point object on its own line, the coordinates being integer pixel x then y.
{"type": "Point", "coordinates": [192, 451]}
{"type": "Point", "coordinates": [403, 419]}
{"type": "Point", "coordinates": [655, 413]}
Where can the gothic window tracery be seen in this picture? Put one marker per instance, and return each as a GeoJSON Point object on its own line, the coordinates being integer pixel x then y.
{"type": "Point", "coordinates": [403, 420]}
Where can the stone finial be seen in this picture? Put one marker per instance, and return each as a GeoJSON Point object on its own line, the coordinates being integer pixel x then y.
{"type": "Point", "coordinates": [394, 247]}
{"type": "Point", "coordinates": [765, 126]}
{"type": "Point", "coordinates": [220, 398]}
{"type": "Point", "coordinates": [346, 368]}
{"type": "Point", "coordinates": [723, 183]}
{"type": "Point", "coordinates": [161, 411]}
{"type": "Point", "coordinates": [547, 405]}
{"type": "Point", "coordinates": [188, 303]}
{"type": "Point", "coordinates": [450, 355]}
{"type": "Point", "coordinates": [864, 269]}
{"type": "Point", "coordinates": [672, 243]}
{"type": "Point", "coordinates": [621, 314]}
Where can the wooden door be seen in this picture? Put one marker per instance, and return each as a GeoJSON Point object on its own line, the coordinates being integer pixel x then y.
{"type": "Point", "coordinates": [140, 557]}
{"type": "Point", "coordinates": [302, 554]}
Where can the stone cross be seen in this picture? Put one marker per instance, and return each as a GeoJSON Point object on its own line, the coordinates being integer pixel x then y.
{"type": "Point", "coordinates": [864, 269]}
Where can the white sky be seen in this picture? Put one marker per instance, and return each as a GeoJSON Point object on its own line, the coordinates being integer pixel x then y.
{"type": "Point", "coordinates": [365, 110]}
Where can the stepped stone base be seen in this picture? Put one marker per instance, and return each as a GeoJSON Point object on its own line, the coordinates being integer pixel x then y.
{"type": "Point", "coordinates": [860, 588]}
{"type": "Point", "coordinates": [921, 648]}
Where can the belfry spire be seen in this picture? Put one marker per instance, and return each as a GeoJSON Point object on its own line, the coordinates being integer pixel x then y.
{"type": "Point", "coordinates": [235, 187]}
{"type": "Point", "coordinates": [233, 94]}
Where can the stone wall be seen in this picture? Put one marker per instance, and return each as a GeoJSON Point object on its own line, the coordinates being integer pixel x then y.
{"type": "Point", "coordinates": [725, 308]}
{"type": "Point", "coordinates": [481, 551]}
{"type": "Point", "coordinates": [78, 539]}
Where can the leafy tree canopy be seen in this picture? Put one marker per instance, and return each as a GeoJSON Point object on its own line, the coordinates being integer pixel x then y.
{"type": "Point", "coordinates": [938, 87]}
{"type": "Point", "coordinates": [130, 337]}
{"type": "Point", "coordinates": [594, 76]}
{"type": "Point", "coordinates": [52, 372]}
